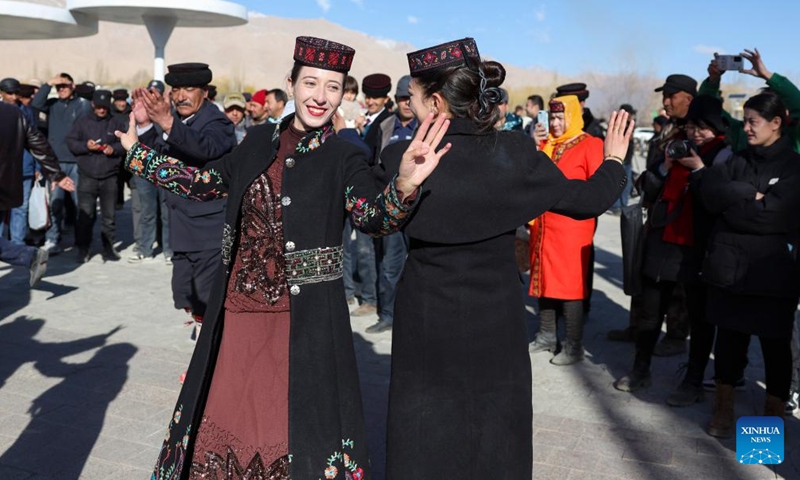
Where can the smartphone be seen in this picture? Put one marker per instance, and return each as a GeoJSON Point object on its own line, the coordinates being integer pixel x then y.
{"type": "Point", "coordinates": [730, 62]}
{"type": "Point", "coordinates": [543, 117]}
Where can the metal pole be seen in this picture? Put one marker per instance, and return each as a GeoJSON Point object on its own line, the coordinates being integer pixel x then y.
{"type": "Point", "coordinates": [160, 29]}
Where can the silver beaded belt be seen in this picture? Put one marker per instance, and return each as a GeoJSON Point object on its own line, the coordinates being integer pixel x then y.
{"type": "Point", "coordinates": [314, 265]}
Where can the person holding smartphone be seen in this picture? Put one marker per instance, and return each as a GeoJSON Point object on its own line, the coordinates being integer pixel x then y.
{"type": "Point", "coordinates": [99, 155]}
{"type": "Point", "coordinates": [561, 246]}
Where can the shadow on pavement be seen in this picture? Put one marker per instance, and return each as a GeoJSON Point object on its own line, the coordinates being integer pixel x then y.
{"type": "Point", "coordinates": [65, 420]}
{"type": "Point", "coordinates": [374, 370]}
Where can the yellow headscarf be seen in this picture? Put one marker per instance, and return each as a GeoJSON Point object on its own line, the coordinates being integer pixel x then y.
{"type": "Point", "coordinates": [573, 114]}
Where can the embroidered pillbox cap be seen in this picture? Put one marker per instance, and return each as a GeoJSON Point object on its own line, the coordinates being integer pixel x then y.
{"type": "Point", "coordinates": [324, 54]}
{"type": "Point", "coordinates": [376, 85]}
{"type": "Point", "coordinates": [463, 52]}
{"type": "Point", "coordinates": [577, 89]}
{"type": "Point", "coordinates": [188, 75]}
{"type": "Point", "coordinates": [556, 106]}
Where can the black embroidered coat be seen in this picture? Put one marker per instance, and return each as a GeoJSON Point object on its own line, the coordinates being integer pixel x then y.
{"type": "Point", "coordinates": [460, 393]}
{"type": "Point", "coordinates": [206, 136]}
{"type": "Point", "coordinates": [326, 178]}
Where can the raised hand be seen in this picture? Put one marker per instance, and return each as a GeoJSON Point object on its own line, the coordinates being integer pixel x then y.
{"type": "Point", "coordinates": [137, 107]}
{"type": "Point", "coordinates": [539, 133]}
{"type": "Point", "coordinates": [618, 136]}
{"type": "Point", "coordinates": [129, 138]}
{"type": "Point", "coordinates": [758, 68]}
{"type": "Point", "coordinates": [157, 106]}
{"type": "Point", "coordinates": [421, 157]}
{"type": "Point", "coordinates": [714, 72]}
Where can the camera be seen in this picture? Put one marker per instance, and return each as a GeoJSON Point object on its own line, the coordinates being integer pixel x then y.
{"type": "Point", "coordinates": [679, 148]}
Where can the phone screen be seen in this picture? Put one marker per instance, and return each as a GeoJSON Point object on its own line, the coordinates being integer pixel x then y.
{"type": "Point", "coordinates": [544, 118]}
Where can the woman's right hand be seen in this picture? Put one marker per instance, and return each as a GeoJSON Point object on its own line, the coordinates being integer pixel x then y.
{"type": "Point", "coordinates": [539, 133]}
{"type": "Point", "coordinates": [618, 136]}
{"type": "Point", "coordinates": [129, 138]}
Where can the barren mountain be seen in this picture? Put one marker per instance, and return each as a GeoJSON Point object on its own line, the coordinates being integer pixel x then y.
{"type": "Point", "coordinates": [256, 55]}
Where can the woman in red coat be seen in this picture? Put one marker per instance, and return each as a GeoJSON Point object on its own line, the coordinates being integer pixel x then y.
{"type": "Point", "coordinates": [561, 246]}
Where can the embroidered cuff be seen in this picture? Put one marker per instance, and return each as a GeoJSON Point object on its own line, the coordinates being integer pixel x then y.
{"type": "Point", "coordinates": [393, 197]}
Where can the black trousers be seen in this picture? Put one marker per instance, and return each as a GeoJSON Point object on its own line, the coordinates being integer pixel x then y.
{"type": "Point", "coordinates": [731, 358]}
{"type": "Point", "coordinates": [655, 303]}
{"type": "Point", "coordinates": [89, 191]}
{"type": "Point", "coordinates": [192, 278]}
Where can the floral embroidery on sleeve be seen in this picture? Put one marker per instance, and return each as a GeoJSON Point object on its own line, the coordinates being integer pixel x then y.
{"type": "Point", "coordinates": [386, 214]}
{"type": "Point", "coordinates": [174, 176]}
{"type": "Point", "coordinates": [171, 458]}
{"type": "Point", "coordinates": [345, 463]}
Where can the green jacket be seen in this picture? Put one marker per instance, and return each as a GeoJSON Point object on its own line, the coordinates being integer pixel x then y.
{"type": "Point", "coordinates": [780, 85]}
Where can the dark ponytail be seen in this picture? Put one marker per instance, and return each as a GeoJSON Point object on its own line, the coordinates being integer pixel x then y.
{"type": "Point", "coordinates": [768, 105]}
{"type": "Point", "coordinates": [462, 88]}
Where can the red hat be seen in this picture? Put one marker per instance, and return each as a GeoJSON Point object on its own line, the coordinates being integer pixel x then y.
{"type": "Point", "coordinates": [462, 52]}
{"type": "Point", "coordinates": [376, 85]}
{"type": "Point", "coordinates": [324, 54]}
{"type": "Point", "coordinates": [259, 97]}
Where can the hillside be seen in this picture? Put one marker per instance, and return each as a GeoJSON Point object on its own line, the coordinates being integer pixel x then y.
{"type": "Point", "coordinates": [256, 55]}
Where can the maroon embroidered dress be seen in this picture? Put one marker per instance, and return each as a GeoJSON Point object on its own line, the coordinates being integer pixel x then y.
{"type": "Point", "coordinates": [245, 426]}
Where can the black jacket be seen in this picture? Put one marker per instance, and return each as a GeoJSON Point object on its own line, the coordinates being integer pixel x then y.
{"type": "Point", "coordinates": [91, 127]}
{"type": "Point", "coordinates": [670, 261]}
{"type": "Point", "coordinates": [752, 249]}
{"type": "Point", "coordinates": [592, 125]}
{"type": "Point", "coordinates": [17, 135]}
{"type": "Point", "coordinates": [206, 136]}
{"type": "Point", "coordinates": [374, 136]}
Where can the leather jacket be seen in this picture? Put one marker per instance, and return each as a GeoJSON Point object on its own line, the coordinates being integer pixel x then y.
{"type": "Point", "coordinates": [18, 135]}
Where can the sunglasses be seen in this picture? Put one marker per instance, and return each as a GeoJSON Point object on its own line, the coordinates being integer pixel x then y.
{"type": "Point", "coordinates": [62, 86]}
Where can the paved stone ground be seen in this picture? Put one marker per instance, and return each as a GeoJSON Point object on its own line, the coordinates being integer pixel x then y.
{"type": "Point", "coordinates": [89, 366]}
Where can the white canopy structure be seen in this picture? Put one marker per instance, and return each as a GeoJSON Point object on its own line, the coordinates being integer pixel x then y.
{"type": "Point", "coordinates": [162, 16]}
{"type": "Point", "coordinates": [32, 21]}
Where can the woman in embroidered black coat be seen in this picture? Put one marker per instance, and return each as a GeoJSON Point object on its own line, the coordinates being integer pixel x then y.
{"type": "Point", "coordinates": [289, 188]}
{"type": "Point", "coordinates": [460, 393]}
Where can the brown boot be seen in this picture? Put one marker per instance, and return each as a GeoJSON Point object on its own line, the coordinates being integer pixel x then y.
{"type": "Point", "coordinates": [723, 418]}
{"type": "Point", "coordinates": [774, 407]}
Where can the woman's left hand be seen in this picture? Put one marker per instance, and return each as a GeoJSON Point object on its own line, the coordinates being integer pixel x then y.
{"type": "Point", "coordinates": [129, 138]}
{"type": "Point", "coordinates": [618, 136]}
{"type": "Point", "coordinates": [692, 162]}
{"type": "Point", "coordinates": [421, 157]}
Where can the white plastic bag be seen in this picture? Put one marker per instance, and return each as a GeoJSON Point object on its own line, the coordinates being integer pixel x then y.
{"type": "Point", "coordinates": [39, 206]}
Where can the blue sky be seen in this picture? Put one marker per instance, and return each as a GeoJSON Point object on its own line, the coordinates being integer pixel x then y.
{"type": "Point", "coordinates": [573, 36]}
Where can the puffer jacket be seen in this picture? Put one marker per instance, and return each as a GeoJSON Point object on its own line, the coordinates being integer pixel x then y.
{"type": "Point", "coordinates": [753, 246]}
